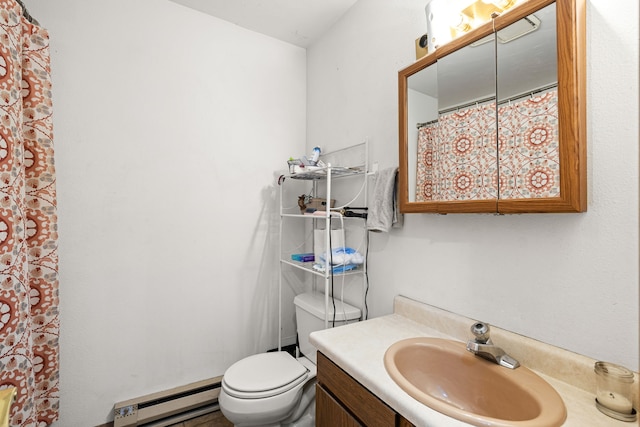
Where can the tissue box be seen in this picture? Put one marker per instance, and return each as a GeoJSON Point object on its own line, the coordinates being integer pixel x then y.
{"type": "Point", "coordinates": [308, 257]}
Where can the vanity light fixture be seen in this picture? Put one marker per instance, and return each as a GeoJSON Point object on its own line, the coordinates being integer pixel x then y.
{"type": "Point", "coordinates": [502, 4]}
{"type": "Point", "coordinates": [517, 29]}
{"type": "Point", "coordinates": [449, 19]}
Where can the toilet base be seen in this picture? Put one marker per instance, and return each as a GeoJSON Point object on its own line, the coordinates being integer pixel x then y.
{"type": "Point", "coordinates": [302, 415]}
{"type": "Point", "coordinates": [305, 414]}
{"type": "Point", "coordinates": [307, 420]}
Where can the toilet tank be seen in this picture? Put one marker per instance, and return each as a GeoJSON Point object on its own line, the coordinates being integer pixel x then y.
{"type": "Point", "coordinates": [310, 311]}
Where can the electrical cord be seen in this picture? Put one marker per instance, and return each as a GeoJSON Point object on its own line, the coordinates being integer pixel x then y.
{"type": "Point", "coordinates": [344, 242]}
{"type": "Point", "coordinates": [330, 267]}
{"type": "Point", "coordinates": [366, 276]}
{"type": "Point", "coordinates": [365, 315]}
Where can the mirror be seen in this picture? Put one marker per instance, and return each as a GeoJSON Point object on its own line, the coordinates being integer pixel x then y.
{"type": "Point", "coordinates": [466, 155]}
{"type": "Point", "coordinates": [422, 100]}
{"type": "Point", "coordinates": [461, 151]}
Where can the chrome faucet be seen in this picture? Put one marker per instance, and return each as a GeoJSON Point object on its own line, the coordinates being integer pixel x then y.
{"type": "Point", "coordinates": [483, 346]}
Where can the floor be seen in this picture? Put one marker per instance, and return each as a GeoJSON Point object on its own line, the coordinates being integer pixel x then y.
{"type": "Point", "coordinates": [214, 419]}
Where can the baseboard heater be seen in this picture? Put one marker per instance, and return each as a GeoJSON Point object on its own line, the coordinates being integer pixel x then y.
{"type": "Point", "coordinates": [169, 407]}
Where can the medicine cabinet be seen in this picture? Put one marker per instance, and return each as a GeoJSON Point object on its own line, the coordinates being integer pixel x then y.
{"type": "Point", "coordinates": [495, 121]}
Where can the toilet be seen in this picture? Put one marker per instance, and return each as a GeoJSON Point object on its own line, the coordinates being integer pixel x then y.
{"type": "Point", "coordinates": [275, 388]}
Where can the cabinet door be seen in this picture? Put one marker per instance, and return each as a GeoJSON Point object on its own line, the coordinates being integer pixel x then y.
{"type": "Point", "coordinates": [370, 410]}
{"type": "Point", "coordinates": [403, 422]}
{"type": "Point", "coordinates": [329, 413]}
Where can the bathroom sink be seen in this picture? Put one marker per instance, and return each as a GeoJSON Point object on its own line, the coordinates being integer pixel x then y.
{"type": "Point", "coordinates": [443, 375]}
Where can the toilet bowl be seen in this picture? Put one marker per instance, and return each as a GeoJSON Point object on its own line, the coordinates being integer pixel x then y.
{"type": "Point", "coordinates": [277, 389]}
{"type": "Point", "coordinates": [269, 389]}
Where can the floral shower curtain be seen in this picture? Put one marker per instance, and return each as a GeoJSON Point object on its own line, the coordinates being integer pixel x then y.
{"type": "Point", "coordinates": [457, 154]}
{"type": "Point", "coordinates": [29, 322]}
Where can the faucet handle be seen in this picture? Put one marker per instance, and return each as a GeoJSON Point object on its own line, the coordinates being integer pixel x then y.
{"type": "Point", "coordinates": [508, 362]}
{"type": "Point", "coordinates": [481, 331]}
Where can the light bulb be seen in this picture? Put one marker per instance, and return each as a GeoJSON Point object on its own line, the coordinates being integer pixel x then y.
{"type": "Point", "coordinates": [462, 23]}
{"type": "Point", "coordinates": [502, 4]}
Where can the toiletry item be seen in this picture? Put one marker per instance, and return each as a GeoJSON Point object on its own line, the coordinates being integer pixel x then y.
{"type": "Point", "coordinates": [7, 397]}
{"type": "Point", "coordinates": [295, 165]}
{"type": "Point", "coordinates": [613, 391]}
{"type": "Point", "coordinates": [344, 256]}
{"type": "Point", "coordinates": [308, 257]}
{"type": "Point", "coordinates": [343, 268]}
{"type": "Point", "coordinates": [315, 156]}
{"type": "Point", "coordinates": [336, 269]}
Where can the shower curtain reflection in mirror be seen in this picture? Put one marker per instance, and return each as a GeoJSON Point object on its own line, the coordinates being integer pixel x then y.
{"type": "Point", "coordinates": [458, 158]}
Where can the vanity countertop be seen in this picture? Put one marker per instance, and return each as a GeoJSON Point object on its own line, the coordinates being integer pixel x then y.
{"type": "Point", "coordinates": [359, 349]}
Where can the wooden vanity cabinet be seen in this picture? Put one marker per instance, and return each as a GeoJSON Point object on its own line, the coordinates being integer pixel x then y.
{"type": "Point", "coordinates": [342, 401]}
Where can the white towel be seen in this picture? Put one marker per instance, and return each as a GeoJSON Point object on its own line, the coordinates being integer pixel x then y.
{"type": "Point", "coordinates": [383, 213]}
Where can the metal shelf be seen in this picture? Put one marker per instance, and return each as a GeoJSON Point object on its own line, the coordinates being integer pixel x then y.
{"type": "Point", "coordinates": [323, 173]}
{"type": "Point", "coordinates": [323, 216]}
{"type": "Point", "coordinates": [308, 267]}
{"type": "Point", "coordinates": [357, 157]}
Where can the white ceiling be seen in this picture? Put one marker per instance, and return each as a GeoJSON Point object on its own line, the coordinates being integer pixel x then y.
{"type": "Point", "coordinates": [299, 22]}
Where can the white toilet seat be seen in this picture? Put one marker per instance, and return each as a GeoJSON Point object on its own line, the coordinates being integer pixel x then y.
{"type": "Point", "coordinates": [264, 375]}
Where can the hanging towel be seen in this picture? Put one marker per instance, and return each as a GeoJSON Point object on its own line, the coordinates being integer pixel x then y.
{"type": "Point", "coordinates": [383, 211]}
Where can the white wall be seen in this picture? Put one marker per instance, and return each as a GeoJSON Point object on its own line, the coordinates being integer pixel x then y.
{"type": "Point", "coordinates": [570, 280]}
{"type": "Point", "coordinates": [168, 126]}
